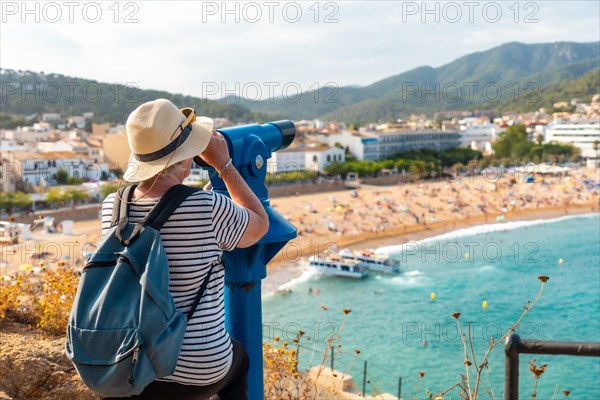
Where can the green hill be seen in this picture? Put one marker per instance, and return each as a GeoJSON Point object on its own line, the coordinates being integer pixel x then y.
{"type": "Point", "coordinates": [583, 87]}
{"type": "Point", "coordinates": [515, 76]}
{"type": "Point", "coordinates": [502, 71]}
{"type": "Point", "coordinates": [26, 93]}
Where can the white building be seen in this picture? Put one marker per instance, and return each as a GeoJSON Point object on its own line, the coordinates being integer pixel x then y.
{"type": "Point", "coordinates": [39, 132]}
{"type": "Point", "coordinates": [582, 136]}
{"type": "Point", "coordinates": [77, 121]}
{"type": "Point", "coordinates": [378, 145]}
{"type": "Point", "coordinates": [38, 169]}
{"type": "Point", "coordinates": [363, 146]}
{"type": "Point", "coordinates": [478, 136]}
{"type": "Point", "coordinates": [8, 178]}
{"type": "Point", "coordinates": [48, 147]}
{"type": "Point", "coordinates": [50, 117]}
{"type": "Point", "coordinates": [12, 145]}
{"type": "Point", "coordinates": [395, 141]}
{"type": "Point", "coordinates": [301, 158]}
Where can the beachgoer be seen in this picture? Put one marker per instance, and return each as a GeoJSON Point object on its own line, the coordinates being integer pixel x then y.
{"type": "Point", "coordinates": [163, 140]}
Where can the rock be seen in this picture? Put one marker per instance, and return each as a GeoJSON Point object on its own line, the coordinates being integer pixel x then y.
{"type": "Point", "coordinates": [34, 367]}
{"type": "Point", "coordinates": [4, 396]}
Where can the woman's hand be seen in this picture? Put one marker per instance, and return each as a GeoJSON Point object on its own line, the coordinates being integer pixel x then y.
{"type": "Point", "coordinates": [216, 153]}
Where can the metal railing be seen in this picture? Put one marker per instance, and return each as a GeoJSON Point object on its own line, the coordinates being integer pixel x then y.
{"type": "Point", "coordinates": [515, 346]}
{"type": "Point", "coordinates": [382, 376]}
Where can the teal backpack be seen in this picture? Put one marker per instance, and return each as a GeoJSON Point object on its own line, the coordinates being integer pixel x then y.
{"type": "Point", "coordinates": [124, 330]}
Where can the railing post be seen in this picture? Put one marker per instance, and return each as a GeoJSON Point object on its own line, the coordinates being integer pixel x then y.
{"type": "Point", "coordinates": [399, 388]}
{"type": "Point", "coordinates": [364, 388]}
{"type": "Point", "coordinates": [511, 367]}
{"type": "Point", "coordinates": [332, 356]}
{"type": "Point", "coordinates": [514, 346]}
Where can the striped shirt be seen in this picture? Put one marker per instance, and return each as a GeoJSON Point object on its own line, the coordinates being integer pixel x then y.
{"type": "Point", "coordinates": [193, 237]}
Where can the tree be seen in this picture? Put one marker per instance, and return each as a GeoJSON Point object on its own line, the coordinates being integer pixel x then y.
{"type": "Point", "coordinates": [22, 200]}
{"type": "Point", "coordinates": [10, 201]}
{"type": "Point", "coordinates": [61, 176]}
{"type": "Point", "coordinates": [76, 195]}
{"type": "Point", "coordinates": [7, 201]}
{"type": "Point", "coordinates": [539, 138]}
{"type": "Point", "coordinates": [513, 143]}
{"type": "Point", "coordinates": [107, 189]}
{"type": "Point", "coordinates": [335, 168]}
{"type": "Point", "coordinates": [55, 196]}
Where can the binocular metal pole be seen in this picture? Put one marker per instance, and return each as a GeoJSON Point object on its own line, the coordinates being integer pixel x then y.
{"type": "Point", "coordinates": [250, 146]}
{"type": "Point", "coordinates": [244, 322]}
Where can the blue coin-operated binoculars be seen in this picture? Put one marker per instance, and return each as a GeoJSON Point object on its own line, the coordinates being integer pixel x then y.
{"type": "Point", "coordinates": [250, 146]}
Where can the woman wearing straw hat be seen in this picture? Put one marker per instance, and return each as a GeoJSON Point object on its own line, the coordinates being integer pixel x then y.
{"type": "Point", "coordinates": [163, 141]}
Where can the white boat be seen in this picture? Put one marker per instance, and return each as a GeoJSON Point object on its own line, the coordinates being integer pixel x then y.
{"type": "Point", "coordinates": [336, 267]}
{"type": "Point", "coordinates": [372, 261]}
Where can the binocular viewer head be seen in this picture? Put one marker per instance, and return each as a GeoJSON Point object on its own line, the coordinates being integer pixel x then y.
{"type": "Point", "coordinates": [249, 147]}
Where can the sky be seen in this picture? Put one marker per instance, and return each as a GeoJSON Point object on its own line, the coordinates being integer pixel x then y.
{"type": "Point", "coordinates": [263, 49]}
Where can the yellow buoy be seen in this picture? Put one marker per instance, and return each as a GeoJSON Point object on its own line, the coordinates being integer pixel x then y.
{"type": "Point", "coordinates": [432, 296]}
{"type": "Point", "coordinates": [561, 261]}
{"type": "Point", "coordinates": [484, 304]}
{"type": "Point", "coordinates": [467, 255]}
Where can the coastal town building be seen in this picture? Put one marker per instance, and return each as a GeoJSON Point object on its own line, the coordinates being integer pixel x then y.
{"type": "Point", "coordinates": [12, 145]}
{"type": "Point", "coordinates": [38, 132]}
{"type": "Point", "coordinates": [387, 141]}
{"type": "Point", "coordinates": [477, 135]}
{"type": "Point", "coordinates": [364, 146]}
{"type": "Point", "coordinates": [392, 142]}
{"type": "Point", "coordinates": [8, 179]}
{"type": "Point", "coordinates": [39, 169]}
{"type": "Point", "coordinates": [582, 136]}
{"type": "Point", "coordinates": [116, 149]}
{"type": "Point", "coordinates": [313, 157]}
{"type": "Point", "coordinates": [51, 117]}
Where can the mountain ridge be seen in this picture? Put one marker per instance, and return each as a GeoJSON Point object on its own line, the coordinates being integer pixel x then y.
{"type": "Point", "coordinates": [504, 65]}
{"type": "Point", "coordinates": [509, 69]}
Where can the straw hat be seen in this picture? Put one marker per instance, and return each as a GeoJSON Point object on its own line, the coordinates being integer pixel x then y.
{"type": "Point", "coordinates": [160, 135]}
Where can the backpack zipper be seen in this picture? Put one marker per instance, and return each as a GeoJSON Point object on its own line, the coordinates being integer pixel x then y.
{"type": "Point", "coordinates": [134, 360]}
{"type": "Point", "coordinates": [94, 264]}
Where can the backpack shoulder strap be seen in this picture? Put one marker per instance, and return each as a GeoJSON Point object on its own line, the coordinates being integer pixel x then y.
{"type": "Point", "coordinates": [121, 206]}
{"type": "Point", "coordinates": [161, 212]}
{"type": "Point", "coordinates": [125, 193]}
{"type": "Point", "coordinates": [201, 291]}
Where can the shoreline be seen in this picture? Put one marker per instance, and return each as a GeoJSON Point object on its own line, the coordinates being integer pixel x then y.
{"type": "Point", "coordinates": [281, 271]}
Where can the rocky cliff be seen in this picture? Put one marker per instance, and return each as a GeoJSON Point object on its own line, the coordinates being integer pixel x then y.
{"type": "Point", "coordinates": [33, 366]}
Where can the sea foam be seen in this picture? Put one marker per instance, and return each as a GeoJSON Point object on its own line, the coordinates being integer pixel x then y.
{"type": "Point", "coordinates": [480, 229]}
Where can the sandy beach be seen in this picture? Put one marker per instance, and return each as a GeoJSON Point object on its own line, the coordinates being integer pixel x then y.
{"type": "Point", "coordinates": [367, 217]}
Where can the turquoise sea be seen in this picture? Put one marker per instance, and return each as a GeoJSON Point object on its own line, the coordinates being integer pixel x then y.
{"type": "Point", "coordinates": [400, 330]}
